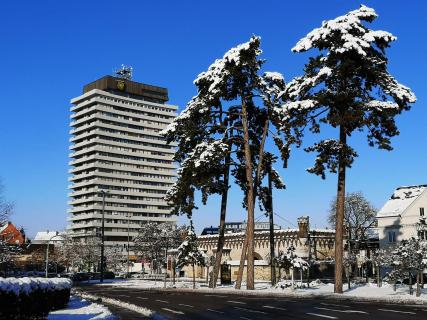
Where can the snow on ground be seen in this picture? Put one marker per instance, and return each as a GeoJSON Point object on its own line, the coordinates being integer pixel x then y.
{"type": "Point", "coordinates": [82, 309]}
{"type": "Point", "coordinates": [316, 288]}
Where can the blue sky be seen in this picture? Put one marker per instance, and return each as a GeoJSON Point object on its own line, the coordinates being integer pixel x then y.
{"type": "Point", "coordinates": [50, 49]}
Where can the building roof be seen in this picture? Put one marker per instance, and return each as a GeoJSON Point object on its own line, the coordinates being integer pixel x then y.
{"type": "Point", "coordinates": [261, 233]}
{"type": "Point", "coordinates": [44, 236]}
{"type": "Point", "coordinates": [401, 200]}
{"type": "Point", "coordinates": [3, 227]}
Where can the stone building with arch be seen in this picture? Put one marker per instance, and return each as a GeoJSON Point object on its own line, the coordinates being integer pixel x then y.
{"type": "Point", "coordinates": [313, 244]}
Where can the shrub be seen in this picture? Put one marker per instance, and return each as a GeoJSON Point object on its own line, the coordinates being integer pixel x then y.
{"type": "Point", "coordinates": [32, 298]}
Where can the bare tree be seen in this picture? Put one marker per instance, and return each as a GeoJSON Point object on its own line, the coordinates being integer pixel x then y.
{"type": "Point", "coordinates": [359, 217]}
{"type": "Point", "coordinates": [8, 250]}
{"type": "Point", "coordinates": [6, 207]}
{"type": "Point", "coordinates": [154, 239]}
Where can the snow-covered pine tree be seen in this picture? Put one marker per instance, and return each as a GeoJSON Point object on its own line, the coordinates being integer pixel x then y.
{"type": "Point", "coordinates": [413, 258]}
{"type": "Point", "coordinates": [380, 258]}
{"type": "Point", "coordinates": [189, 252]}
{"type": "Point", "coordinates": [347, 86]}
{"type": "Point", "coordinates": [349, 260]}
{"type": "Point", "coordinates": [222, 126]}
{"type": "Point", "coordinates": [290, 260]}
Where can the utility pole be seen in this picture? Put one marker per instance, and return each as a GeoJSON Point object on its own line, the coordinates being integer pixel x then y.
{"type": "Point", "coordinates": [270, 218]}
{"type": "Point", "coordinates": [47, 254]}
{"type": "Point", "coordinates": [128, 248]}
{"type": "Point", "coordinates": [102, 236]}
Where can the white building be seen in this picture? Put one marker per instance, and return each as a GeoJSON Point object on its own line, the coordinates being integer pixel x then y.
{"type": "Point", "coordinates": [43, 237]}
{"type": "Point", "coordinates": [117, 149]}
{"type": "Point", "coordinates": [399, 218]}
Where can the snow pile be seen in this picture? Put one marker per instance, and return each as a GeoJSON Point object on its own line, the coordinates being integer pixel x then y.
{"type": "Point", "coordinates": [401, 199]}
{"type": "Point", "coordinates": [141, 310]}
{"type": "Point", "coordinates": [82, 309]}
{"type": "Point", "coordinates": [27, 285]}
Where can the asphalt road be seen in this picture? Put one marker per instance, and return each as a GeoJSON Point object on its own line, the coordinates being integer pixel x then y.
{"type": "Point", "coordinates": [201, 305]}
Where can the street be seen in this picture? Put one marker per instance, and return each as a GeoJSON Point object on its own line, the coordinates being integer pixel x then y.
{"type": "Point", "coordinates": [218, 305]}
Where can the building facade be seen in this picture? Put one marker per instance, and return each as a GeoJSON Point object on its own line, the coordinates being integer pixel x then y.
{"type": "Point", "coordinates": [117, 152]}
{"type": "Point", "coordinates": [233, 227]}
{"type": "Point", "coordinates": [310, 244]}
{"type": "Point", "coordinates": [403, 216]}
{"type": "Point", "coordinates": [12, 235]}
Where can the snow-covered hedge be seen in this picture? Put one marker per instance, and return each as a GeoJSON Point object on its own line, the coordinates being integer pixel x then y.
{"type": "Point", "coordinates": [32, 298]}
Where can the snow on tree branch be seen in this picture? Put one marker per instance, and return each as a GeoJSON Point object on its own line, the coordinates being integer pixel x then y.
{"type": "Point", "coordinates": [347, 33]}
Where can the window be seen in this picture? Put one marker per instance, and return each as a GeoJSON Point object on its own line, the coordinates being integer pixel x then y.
{"type": "Point", "coordinates": [391, 236]}
{"type": "Point", "coordinates": [421, 212]}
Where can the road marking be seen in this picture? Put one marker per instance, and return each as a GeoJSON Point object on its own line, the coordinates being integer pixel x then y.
{"type": "Point", "coordinates": [271, 307]}
{"type": "Point", "coordinates": [321, 315]}
{"type": "Point", "coordinates": [344, 311]}
{"type": "Point", "coordinates": [334, 305]}
{"type": "Point", "coordinates": [397, 311]}
{"type": "Point", "coordinates": [142, 298]}
{"type": "Point", "coordinates": [244, 318]}
{"type": "Point", "coordinates": [122, 295]}
{"type": "Point", "coordinates": [250, 310]}
{"type": "Point", "coordinates": [215, 295]}
{"type": "Point", "coordinates": [215, 311]}
{"type": "Point", "coordinates": [185, 305]}
{"type": "Point", "coordinates": [238, 302]}
{"type": "Point", "coordinates": [173, 311]}
{"type": "Point", "coordinates": [162, 301]}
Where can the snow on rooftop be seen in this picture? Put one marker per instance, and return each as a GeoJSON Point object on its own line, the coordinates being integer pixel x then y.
{"type": "Point", "coordinates": [46, 235]}
{"type": "Point", "coordinates": [3, 227]}
{"type": "Point", "coordinates": [277, 231]}
{"type": "Point", "coordinates": [401, 199]}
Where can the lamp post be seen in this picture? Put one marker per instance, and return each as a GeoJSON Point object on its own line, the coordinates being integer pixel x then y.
{"type": "Point", "coordinates": [102, 236]}
{"type": "Point", "coordinates": [127, 275]}
{"type": "Point", "coordinates": [47, 253]}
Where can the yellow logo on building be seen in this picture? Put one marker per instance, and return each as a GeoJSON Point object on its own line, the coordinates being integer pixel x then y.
{"type": "Point", "coordinates": [121, 85]}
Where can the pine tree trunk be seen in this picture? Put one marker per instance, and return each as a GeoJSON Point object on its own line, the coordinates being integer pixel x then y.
{"type": "Point", "coordinates": [340, 216]}
{"type": "Point", "coordinates": [348, 278]}
{"type": "Point", "coordinates": [418, 284]}
{"type": "Point", "coordinates": [300, 271]}
{"type": "Point", "coordinates": [292, 277]}
{"type": "Point", "coordinates": [194, 277]}
{"type": "Point", "coordinates": [248, 246]}
{"type": "Point", "coordinates": [242, 264]}
{"type": "Point", "coordinates": [411, 290]}
{"type": "Point", "coordinates": [250, 200]}
{"type": "Point", "coordinates": [378, 276]}
{"type": "Point", "coordinates": [270, 216]}
{"type": "Point", "coordinates": [221, 231]}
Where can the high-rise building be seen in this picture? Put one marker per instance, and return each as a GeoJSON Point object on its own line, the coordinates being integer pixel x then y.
{"type": "Point", "coordinates": [117, 149]}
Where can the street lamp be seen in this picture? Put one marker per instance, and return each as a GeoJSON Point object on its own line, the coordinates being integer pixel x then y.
{"type": "Point", "coordinates": [128, 247]}
{"type": "Point", "coordinates": [47, 252]}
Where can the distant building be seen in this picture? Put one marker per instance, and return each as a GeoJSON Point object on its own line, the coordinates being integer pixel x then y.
{"type": "Point", "coordinates": [234, 227]}
{"type": "Point", "coordinates": [117, 149]}
{"type": "Point", "coordinates": [12, 235]}
{"type": "Point", "coordinates": [313, 244]}
{"type": "Point", "coordinates": [42, 237]}
{"type": "Point", "coordinates": [402, 215]}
